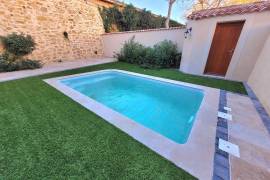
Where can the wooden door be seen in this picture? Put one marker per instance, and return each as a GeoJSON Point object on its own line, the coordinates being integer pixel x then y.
{"type": "Point", "coordinates": [222, 48]}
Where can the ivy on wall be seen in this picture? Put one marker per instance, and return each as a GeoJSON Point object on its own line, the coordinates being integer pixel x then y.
{"type": "Point", "coordinates": [130, 18]}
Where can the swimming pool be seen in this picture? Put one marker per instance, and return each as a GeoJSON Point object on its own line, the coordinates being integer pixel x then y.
{"type": "Point", "coordinates": [166, 108]}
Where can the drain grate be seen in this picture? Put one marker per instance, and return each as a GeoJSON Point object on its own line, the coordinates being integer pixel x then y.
{"type": "Point", "coordinates": [229, 147]}
{"type": "Point", "coordinates": [225, 116]}
{"type": "Point", "coordinates": [227, 108]}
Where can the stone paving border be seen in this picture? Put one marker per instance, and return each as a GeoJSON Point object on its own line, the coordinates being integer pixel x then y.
{"type": "Point", "coordinates": [221, 158]}
{"type": "Point", "coordinates": [54, 67]}
{"type": "Point", "coordinates": [259, 107]}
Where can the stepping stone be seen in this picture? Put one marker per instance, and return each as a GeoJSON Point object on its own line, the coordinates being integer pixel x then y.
{"type": "Point", "coordinates": [229, 147]}
{"type": "Point", "coordinates": [225, 116]}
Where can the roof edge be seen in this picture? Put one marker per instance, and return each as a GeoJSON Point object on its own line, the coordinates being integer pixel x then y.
{"type": "Point", "coordinates": [230, 10]}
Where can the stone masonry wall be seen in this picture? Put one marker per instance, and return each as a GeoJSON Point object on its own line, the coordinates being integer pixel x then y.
{"type": "Point", "coordinates": [47, 20]}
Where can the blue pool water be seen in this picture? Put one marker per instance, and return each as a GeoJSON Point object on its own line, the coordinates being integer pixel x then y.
{"type": "Point", "coordinates": [166, 108]}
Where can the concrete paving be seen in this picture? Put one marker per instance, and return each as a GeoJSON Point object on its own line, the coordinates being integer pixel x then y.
{"type": "Point", "coordinates": [249, 133]}
{"type": "Point", "coordinates": [53, 67]}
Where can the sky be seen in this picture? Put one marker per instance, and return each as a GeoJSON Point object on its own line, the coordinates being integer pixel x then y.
{"type": "Point", "coordinates": [160, 7]}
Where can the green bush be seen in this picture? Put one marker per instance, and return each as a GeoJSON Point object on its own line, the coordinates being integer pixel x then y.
{"type": "Point", "coordinates": [15, 48]}
{"type": "Point", "coordinates": [29, 64]}
{"type": "Point", "coordinates": [111, 16]}
{"type": "Point", "coordinates": [130, 18]}
{"type": "Point", "coordinates": [18, 44]}
{"type": "Point", "coordinates": [132, 52]}
{"type": "Point", "coordinates": [166, 54]}
{"type": "Point", "coordinates": [162, 55]}
{"type": "Point", "coordinates": [7, 65]}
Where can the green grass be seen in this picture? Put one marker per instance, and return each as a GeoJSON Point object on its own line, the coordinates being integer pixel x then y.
{"type": "Point", "coordinates": [45, 135]}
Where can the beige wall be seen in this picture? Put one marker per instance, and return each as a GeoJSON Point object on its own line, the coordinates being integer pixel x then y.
{"type": "Point", "coordinates": [251, 41]}
{"type": "Point", "coordinates": [113, 42]}
{"type": "Point", "coordinates": [46, 20]}
{"type": "Point", "coordinates": [259, 79]}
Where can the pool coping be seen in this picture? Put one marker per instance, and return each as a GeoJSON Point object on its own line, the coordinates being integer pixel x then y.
{"type": "Point", "coordinates": [196, 156]}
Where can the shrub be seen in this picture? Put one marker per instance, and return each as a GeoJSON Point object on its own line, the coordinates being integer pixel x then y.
{"type": "Point", "coordinates": [129, 18]}
{"type": "Point", "coordinates": [15, 47]}
{"type": "Point", "coordinates": [132, 52]}
{"type": "Point", "coordinates": [111, 17]}
{"type": "Point", "coordinates": [7, 65]}
{"type": "Point", "coordinates": [2, 63]}
{"type": "Point", "coordinates": [29, 64]}
{"type": "Point", "coordinates": [166, 54]}
{"type": "Point", "coordinates": [162, 55]}
{"type": "Point", "coordinates": [18, 44]}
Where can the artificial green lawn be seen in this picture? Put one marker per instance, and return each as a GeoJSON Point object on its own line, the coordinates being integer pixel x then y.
{"type": "Point", "coordinates": [45, 135]}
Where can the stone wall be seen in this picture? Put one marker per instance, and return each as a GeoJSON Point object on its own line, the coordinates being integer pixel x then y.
{"type": "Point", "coordinates": [47, 20]}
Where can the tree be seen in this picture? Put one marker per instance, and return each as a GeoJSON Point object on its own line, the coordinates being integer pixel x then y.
{"type": "Point", "coordinates": [112, 18]}
{"type": "Point", "coordinates": [130, 17]}
{"type": "Point", "coordinates": [208, 4]}
{"type": "Point", "coordinates": [146, 20]}
{"type": "Point", "coordinates": [167, 22]}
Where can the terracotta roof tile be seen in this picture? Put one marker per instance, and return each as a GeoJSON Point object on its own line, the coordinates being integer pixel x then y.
{"type": "Point", "coordinates": [231, 10]}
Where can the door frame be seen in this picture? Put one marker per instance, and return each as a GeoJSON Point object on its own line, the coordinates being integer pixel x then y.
{"type": "Point", "coordinates": [216, 24]}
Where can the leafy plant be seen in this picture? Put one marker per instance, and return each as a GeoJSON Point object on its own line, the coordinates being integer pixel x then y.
{"type": "Point", "coordinates": [129, 18]}
{"type": "Point", "coordinates": [16, 46]}
{"type": "Point", "coordinates": [162, 55]}
{"type": "Point", "coordinates": [166, 54]}
{"type": "Point", "coordinates": [132, 52]}
{"type": "Point", "coordinates": [111, 17]}
{"type": "Point", "coordinates": [6, 64]}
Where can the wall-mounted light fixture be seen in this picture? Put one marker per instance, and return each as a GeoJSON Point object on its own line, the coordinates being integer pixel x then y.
{"type": "Point", "coordinates": [188, 32]}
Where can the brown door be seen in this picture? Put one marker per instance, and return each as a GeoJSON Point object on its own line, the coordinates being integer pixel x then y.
{"type": "Point", "coordinates": [222, 48]}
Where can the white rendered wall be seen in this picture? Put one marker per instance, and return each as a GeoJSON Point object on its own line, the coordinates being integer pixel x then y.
{"type": "Point", "coordinates": [113, 42]}
{"type": "Point", "coordinates": [259, 79]}
{"type": "Point", "coordinates": [249, 46]}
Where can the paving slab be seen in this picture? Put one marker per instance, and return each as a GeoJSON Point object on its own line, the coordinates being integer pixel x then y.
{"type": "Point", "coordinates": [54, 67]}
{"type": "Point", "coordinates": [250, 134]}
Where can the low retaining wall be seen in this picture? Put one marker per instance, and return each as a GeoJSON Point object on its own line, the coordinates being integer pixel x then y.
{"type": "Point", "coordinates": [113, 42]}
